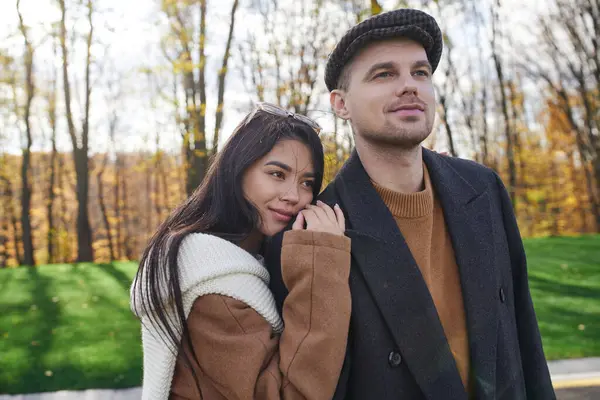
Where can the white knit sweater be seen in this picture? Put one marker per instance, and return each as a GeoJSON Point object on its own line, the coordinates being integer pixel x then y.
{"type": "Point", "coordinates": [207, 265]}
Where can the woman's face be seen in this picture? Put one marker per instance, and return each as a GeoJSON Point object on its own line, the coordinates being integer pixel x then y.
{"type": "Point", "coordinates": [280, 184]}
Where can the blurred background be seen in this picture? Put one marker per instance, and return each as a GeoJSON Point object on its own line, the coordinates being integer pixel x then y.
{"type": "Point", "coordinates": [111, 110]}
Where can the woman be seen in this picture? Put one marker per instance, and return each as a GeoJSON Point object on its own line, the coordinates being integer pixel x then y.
{"type": "Point", "coordinates": [210, 327]}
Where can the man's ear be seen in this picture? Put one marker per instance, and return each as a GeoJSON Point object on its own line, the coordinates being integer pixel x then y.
{"type": "Point", "coordinates": [338, 103]}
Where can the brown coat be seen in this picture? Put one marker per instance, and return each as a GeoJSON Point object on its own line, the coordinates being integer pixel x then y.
{"type": "Point", "coordinates": [238, 355]}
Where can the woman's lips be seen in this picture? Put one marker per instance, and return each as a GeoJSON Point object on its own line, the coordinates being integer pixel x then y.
{"type": "Point", "coordinates": [281, 215]}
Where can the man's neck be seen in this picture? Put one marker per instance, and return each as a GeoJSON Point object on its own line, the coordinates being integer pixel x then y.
{"type": "Point", "coordinates": [396, 169]}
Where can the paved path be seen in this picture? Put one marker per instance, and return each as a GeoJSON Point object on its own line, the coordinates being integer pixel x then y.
{"type": "Point", "coordinates": [584, 393]}
{"type": "Point", "coordinates": [573, 379]}
{"type": "Point", "coordinates": [120, 394]}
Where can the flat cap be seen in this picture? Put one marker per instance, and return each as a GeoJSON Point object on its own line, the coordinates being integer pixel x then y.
{"type": "Point", "coordinates": [413, 24]}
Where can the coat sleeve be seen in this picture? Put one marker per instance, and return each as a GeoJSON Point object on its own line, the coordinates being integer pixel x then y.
{"type": "Point", "coordinates": [238, 355]}
{"type": "Point", "coordinates": [535, 367]}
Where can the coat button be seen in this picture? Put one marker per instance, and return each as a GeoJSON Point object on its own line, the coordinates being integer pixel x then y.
{"type": "Point", "coordinates": [395, 359]}
{"type": "Point", "coordinates": [502, 295]}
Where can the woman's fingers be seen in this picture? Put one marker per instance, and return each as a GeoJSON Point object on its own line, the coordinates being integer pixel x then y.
{"type": "Point", "coordinates": [312, 220]}
{"type": "Point", "coordinates": [319, 212]}
{"type": "Point", "coordinates": [322, 218]}
{"type": "Point", "coordinates": [299, 222]}
{"type": "Point", "coordinates": [328, 210]}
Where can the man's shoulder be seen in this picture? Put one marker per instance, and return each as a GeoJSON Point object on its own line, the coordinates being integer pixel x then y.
{"type": "Point", "coordinates": [329, 194]}
{"type": "Point", "coordinates": [471, 170]}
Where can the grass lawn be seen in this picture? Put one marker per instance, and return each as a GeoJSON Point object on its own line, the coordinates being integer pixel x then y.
{"type": "Point", "coordinates": [69, 326]}
{"type": "Point", "coordinates": [564, 278]}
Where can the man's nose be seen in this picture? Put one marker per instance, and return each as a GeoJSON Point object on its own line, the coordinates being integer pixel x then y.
{"type": "Point", "coordinates": [406, 86]}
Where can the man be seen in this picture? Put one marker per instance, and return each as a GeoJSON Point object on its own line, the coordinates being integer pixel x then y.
{"type": "Point", "coordinates": [441, 307]}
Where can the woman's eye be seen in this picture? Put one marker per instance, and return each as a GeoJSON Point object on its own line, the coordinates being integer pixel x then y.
{"type": "Point", "coordinates": [277, 174]}
{"type": "Point", "coordinates": [309, 184]}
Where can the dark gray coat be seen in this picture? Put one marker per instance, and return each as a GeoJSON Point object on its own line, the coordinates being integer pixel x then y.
{"type": "Point", "coordinates": [397, 348]}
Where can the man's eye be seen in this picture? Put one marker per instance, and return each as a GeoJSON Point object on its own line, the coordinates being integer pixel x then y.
{"type": "Point", "coordinates": [383, 74]}
{"type": "Point", "coordinates": [422, 72]}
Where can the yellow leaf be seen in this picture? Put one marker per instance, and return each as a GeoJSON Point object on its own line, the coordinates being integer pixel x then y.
{"type": "Point", "coordinates": [375, 7]}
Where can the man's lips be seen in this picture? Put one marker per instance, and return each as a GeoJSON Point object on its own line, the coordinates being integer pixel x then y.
{"type": "Point", "coordinates": [406, 110]}
{"type": "Point", "coordinates": [408, 107]}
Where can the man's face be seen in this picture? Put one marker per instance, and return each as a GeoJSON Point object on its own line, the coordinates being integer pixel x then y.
{"type": "Point", "coordinates": [389, 98]}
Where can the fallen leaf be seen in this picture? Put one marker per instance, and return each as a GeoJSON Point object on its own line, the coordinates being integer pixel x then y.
{"type": "Point", "coordinates": [35, 343]}
{"type": "Point", "coordinates": [48, 373]}
{"type": "Point", "coordinates": [55, 299]}
{"type": "Point", "coordinates": [5, 334]}
{"type": "Point", "coordinates": [581, 327]}
{"type": "Point", "coordinates": [33, 307]}
{"type": "Point", "coordinates": [564, 266]}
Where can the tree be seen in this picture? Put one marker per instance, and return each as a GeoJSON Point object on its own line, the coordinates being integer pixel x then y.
{"type": "Point", "coordinates": [188, 27]}
{"type": "Point", "coordinates": [51, 100]}
{"type": "Point", "coordinates": [28, 257]}
{"type": "Point", "coordinates": [79, 140]}
{"type": "Point", "coordinates": [504, 103]}
{"type": "Point", "coordinates": [569, 40]}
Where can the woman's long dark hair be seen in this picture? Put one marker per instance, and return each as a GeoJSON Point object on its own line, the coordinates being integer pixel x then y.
{"type": "Point", "coordinates": [218, 206]}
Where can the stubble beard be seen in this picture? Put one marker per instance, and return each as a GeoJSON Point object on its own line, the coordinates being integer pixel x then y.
{"type": "Point", "coordinates": [405, 137]}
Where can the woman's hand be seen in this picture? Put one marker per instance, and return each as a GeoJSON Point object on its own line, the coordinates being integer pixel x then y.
{"type": "Point", "coordinates": [321, 218]}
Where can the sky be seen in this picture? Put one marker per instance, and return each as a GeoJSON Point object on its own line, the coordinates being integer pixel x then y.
{"type": "Point", "coordinates": [128, 34]}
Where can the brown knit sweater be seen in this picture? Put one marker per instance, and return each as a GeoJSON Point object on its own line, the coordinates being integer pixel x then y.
{"type": "Point", "coordinates": [421, 221]}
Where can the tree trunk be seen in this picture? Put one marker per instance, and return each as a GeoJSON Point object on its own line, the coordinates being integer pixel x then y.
{"type": "Point", "coordinates": [127, 241]}
{"type": "Point", "coordinates": [581, 208]}
{"type": "Point", "coordinates": [105, 220]}
{"type": "Point", "coordinates": [11, 214]}
{"type": "Point", "coordinates": [52, 117]}
{"type": "Point", "coordinates": [148, 176]}
{"type": "Point", "coordinates": [66, 254]}
{"type": "Point", "coordinates": [222, 75]}
{"type": "Point", "coordinates": [447, 125]}
{"type": "Point", "coordinates": [28, 256]}
{"type": "Point", "coordinates": [85, 252]}
{"type": "Point", "coordinates": [51, 237]}
{"type": "Point", "coordinates": [4, 221]}
{"type": "Point", "coordinates": [554, 210]}
{"type": "Point", "coordinates": [512, 173]}
{"type": "Point", "coordinates": [118, 218]}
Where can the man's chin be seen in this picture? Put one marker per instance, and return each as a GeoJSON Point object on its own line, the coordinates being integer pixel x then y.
{"type": "Point", "coordinates": [404, 140]}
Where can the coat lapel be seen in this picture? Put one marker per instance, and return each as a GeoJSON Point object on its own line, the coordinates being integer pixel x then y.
{"type": "Point", "coordinates": [467, 214]}
{"type": "Point", "coordinates": [396, 284]}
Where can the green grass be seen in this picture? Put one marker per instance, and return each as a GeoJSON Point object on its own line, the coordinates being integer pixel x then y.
{"type": "Point", "coordinates": [69, 326]}
{"type": "Point", "coordinates": [564, 277]}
